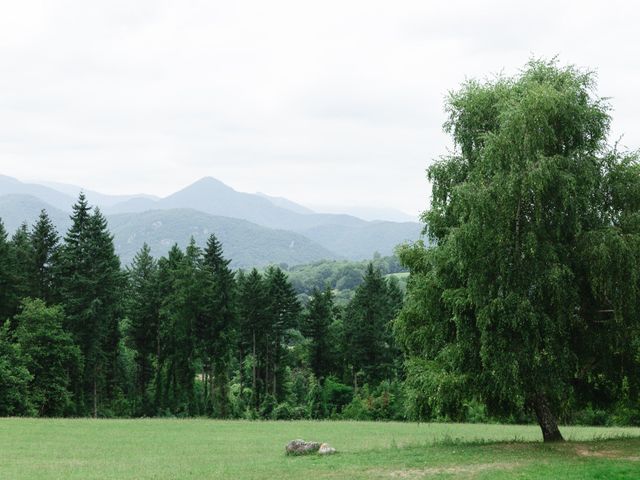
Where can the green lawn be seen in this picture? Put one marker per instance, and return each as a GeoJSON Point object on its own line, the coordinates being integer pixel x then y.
{"type": "Point", "coordinates": [207, 449]}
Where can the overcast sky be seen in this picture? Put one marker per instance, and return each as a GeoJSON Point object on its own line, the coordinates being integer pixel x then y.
{"type": "Point", "coordinates": [322, 102]}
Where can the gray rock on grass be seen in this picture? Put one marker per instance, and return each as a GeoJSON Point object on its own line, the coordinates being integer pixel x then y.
{"type": "Point", "coordinates": [300, 447]}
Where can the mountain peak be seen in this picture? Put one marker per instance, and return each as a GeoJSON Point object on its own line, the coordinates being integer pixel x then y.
{"type": "Point", "coordinates": [210, 182]}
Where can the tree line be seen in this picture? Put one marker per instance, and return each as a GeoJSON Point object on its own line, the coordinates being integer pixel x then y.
{"type": "Point", "coordinates": [184, 334]}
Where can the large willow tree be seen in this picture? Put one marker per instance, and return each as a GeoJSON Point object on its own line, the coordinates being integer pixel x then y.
{"type": "Point", "coordinates": [529, 294]}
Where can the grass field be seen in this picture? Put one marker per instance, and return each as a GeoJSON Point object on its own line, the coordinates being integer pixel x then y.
{"type": "Point", "coordinates": [206, 449]}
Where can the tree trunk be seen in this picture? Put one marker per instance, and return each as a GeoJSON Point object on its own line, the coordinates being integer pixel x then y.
{"type": "Point", "coordinates": [95, 397]}
{"type": "Point", "coordinates": [355, 380]}
{"type": "Point", "coordinates": [275, 380]}
{"type": "Point", "coordinates": [255, 394]}
{"type": "Point", "coordinates": [212, 398]}
{"type": "Point", "coordinates": [546, 419]}
{"type": "Point", "coordinates": [266, 369]}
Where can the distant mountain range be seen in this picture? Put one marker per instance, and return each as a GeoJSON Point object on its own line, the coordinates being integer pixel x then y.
{"type": "Point", "coordinates": [255, 229]}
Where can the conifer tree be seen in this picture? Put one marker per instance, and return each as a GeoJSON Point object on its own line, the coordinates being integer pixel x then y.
{"type": "Point", "coordinates": [180, 311]}
{"type": "Point", "coordinates": [253, 297]}
{"type": "Point", "coordinates": [110, 281]}
{"type": "Point", "coordinates": [283, 312]}
{"type": "Point", "coordinates": [168, 268]}
{"type": "Point", "coordinates": [217, 329]}
{"type": "Point", "coordinates": [144, 313]}
{"type": "Point", "coordinates": [23, 262]}
{"type": "Point", "coordinates": [91, 290]}
{"type": "Point", "coordinates": [317, 321]}
{"type": "Point", "coordinates": [369, 340]}
{"type": "Point", "coordinates": [45, 244]}
{"type": "Point", "coordinates": [8, 291]}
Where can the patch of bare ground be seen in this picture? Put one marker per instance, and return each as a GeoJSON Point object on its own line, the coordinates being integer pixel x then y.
{"type": "Point", "coordinates": [458, 470]}
{"type": "Point", "coordinates": [582, 451]}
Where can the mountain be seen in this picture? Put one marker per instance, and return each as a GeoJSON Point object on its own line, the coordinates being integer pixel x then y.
{"type": "Point", "coordinates": [16, 209]}
{"type": "Point", "coordinates": [370, 213]}
{"type": "Point", "coordinates": [96, 198]}
{"type": "Point", "coordinates": [138, 204]}
{"type": "Point", "coordinates": [285, 203]}
{"type": "Point", "coordinates": [211, 196]}
{"type": "Point", "coordinates": [11, 186]}
{"type": "Point", "coordinates": [361, 242]}
{"type": "Point", "coordinates": [343, 235]}
{"type": "Point", "coordinates": [346, 235]}
{"type": "Point", "coordinates": [246, 244]}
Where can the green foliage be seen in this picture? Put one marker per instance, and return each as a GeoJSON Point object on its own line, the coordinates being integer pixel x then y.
{"type": "Point", "coordinates": [23, 262]}
{"type": "Point", "coordinates": [316, 324]}
{"type": "Point", "coordinates": [49, 354]}
{"type": "Point", "coordinates": [14, 378]}
{"type": "Point", "coordinates": [8, 274]}
{"type": "Point", "coordinates": [383, 402]}
{"type": "Point", "coordinates": [217, 326]}
{"type": "Point", "coordinates": [335, 396]}
{"type": "Point", "coordinates": [367, 325]}
{"type": "Point", "coordinates": [45, 244]}
{"type": "Point", "coordinates": [144, 324]}
{"type": "Point", "coordinates": [341, 276]}
{"type": "Point", "coordinates": [531, 288]}
{"type": "Point", "coordinates": [91, 291]}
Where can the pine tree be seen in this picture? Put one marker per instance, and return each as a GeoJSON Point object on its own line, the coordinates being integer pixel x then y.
{"type": "Point", "coordinates": [180, 311]}
{"type": "Point", "coordinates": [217, 329]}
{"type": "Point", "coordinates": [91, 287]}
{"type": "Point", "coordinates": [144, 312]}
{"type": "Point", "coordinates": [317, 322]}
{"type": "Point", "coordinates": [110, 281]}
{"type": "Point", "coordinates": [8, 291]}
{"type": "Point", "coordinates": [370, 347]}
{"type": "Point", "coordinates": [168, 268]}
{"type": "Point", "coordinates": [283, 313]}
{"type": "Point", "coordinates": [45, 244]}
{"type": "Point", "coordinates": [253, 298]}
{"type": "Point", "coordinates": [23, 261]}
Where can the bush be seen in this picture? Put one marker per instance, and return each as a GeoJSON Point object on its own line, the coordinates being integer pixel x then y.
{"type": "Point", "coordinates": [356, 410]}
{"type": "Point", "coordinates": [475, 412]}
{"type": "Point", "coordinates": [592, 416]}
{"type": "Point", "coordinates": [336, 396]}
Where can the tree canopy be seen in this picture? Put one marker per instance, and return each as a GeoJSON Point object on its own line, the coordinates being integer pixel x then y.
{"type": "Point", "coordinates": [530, 291]}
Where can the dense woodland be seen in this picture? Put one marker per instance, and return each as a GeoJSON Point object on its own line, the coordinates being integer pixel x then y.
{"type": "Point", "coordinates": [184, 335]}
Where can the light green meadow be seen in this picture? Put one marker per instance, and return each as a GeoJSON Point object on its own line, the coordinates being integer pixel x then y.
{"type": "Point", "coordinates": [209, 449]}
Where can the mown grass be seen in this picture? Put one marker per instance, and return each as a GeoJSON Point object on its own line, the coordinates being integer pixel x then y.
{"type": "Point", "coordinates": [206, 449]}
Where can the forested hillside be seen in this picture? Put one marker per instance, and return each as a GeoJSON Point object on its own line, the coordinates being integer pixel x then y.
{"type": "Point", "coordinates": [343, 277]}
